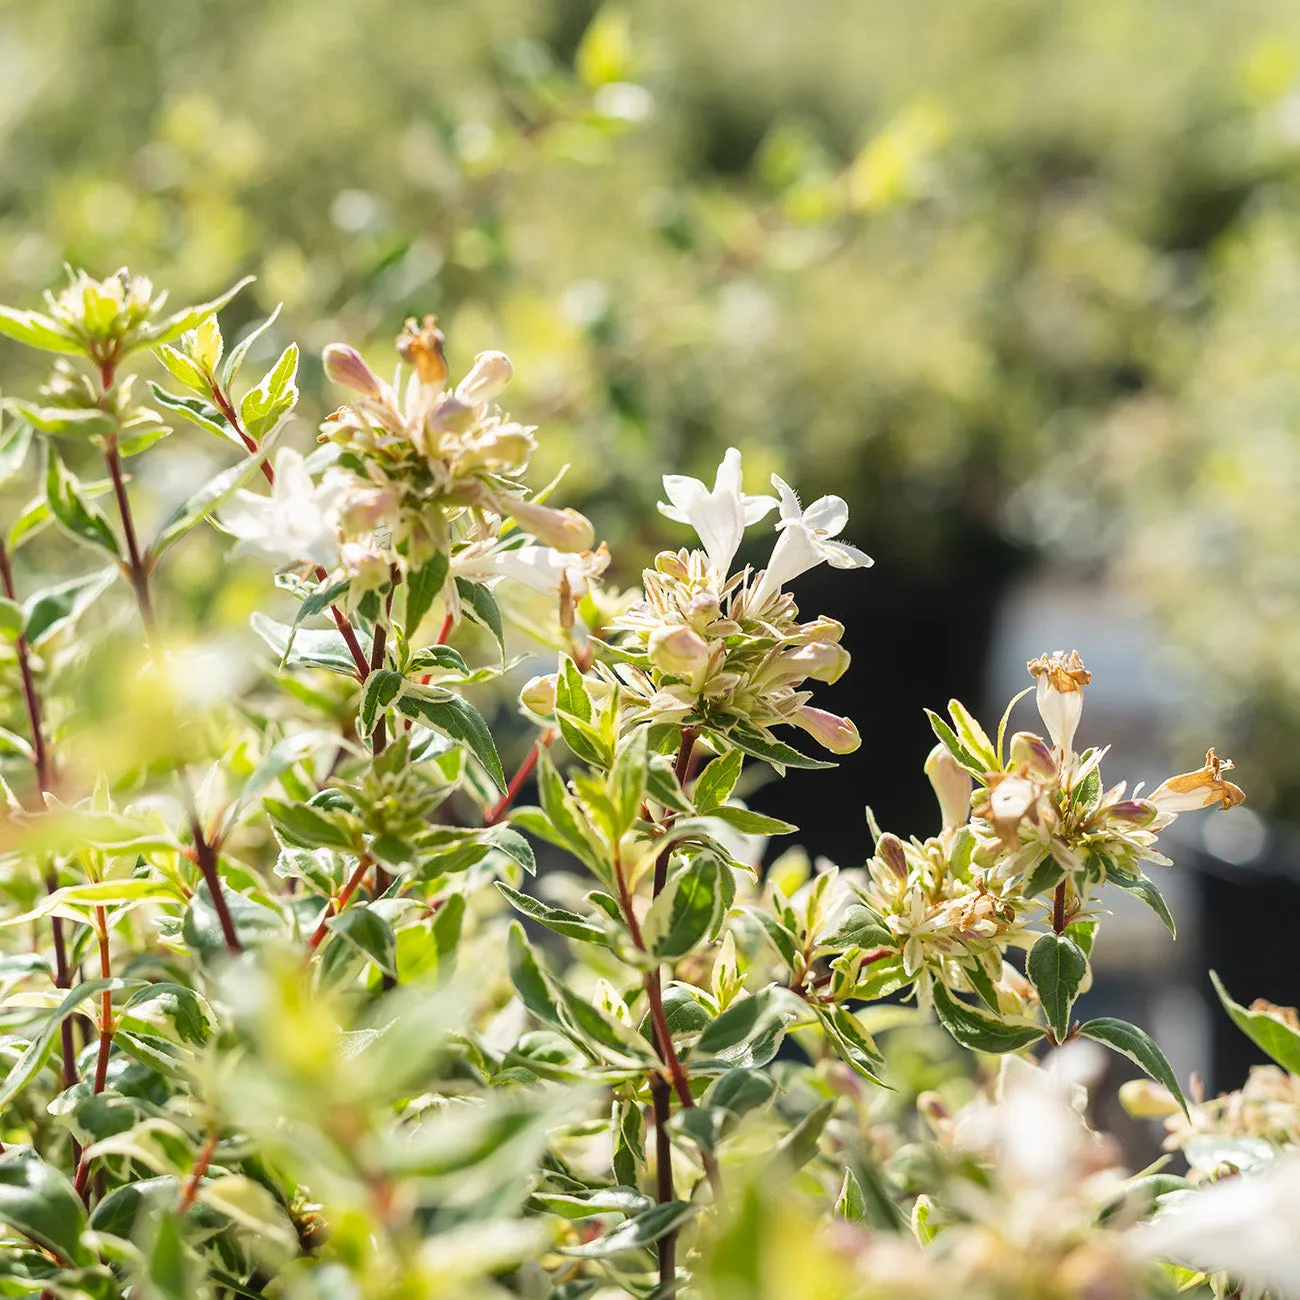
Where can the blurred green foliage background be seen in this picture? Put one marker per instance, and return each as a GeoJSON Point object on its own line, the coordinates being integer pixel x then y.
{"type": "Point", "coordinates": [989, 269]}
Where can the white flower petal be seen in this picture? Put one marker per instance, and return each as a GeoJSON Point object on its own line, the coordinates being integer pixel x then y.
{"type": "Point", "coordinates": [827, 515]}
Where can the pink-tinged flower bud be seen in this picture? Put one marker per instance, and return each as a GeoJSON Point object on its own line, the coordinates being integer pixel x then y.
{"type": "Point", "coordinates": [678, 651]}
{"type": "Point", "coordinates": [933, 1110]}
{"type": "Point", "coordinates": [420, 345]}
{"type": "Point", "coordinates": [889, 849]}
{"type": "Point", "coordinates": [1199, 789]}
{"type": "Point", "coordinates": [829, 730]}
{"type": "Point", "coordinates": [821, 629]}
{"type": "Point", "coordinates": [671, 565]}
{"type": "Point", "coordinates": [1138, 813]}
{"type": "Point", "coordinates": [952, 786]}
{"type": "Point", "coordinates": [823, 661]}
{"type": "Point", "coordinates": [450, 415]}
{"type": "Point", "coordinates": [1035, 754]}
{"type": "Point", "coordinates": [345, 366]}
{"type": "Point", "coordinates": [702, 609]}
{"type": "Point", "coordinates": [565, 530]}
{"type": "Point", "coordinates": [1061, 679]}
{"type": "Point", "coordinates": [538, 695]}
{"type": "Point", "coordinates": [489, 374]}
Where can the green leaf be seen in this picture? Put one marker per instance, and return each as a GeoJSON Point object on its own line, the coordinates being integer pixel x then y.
{"type": "Point", "coordinates": [740, 1091]}
{"type": "Point", "coordinates": [714, 785]}
{"type": "Point", "coordinates": [750, 822]}
{"type": "Point", "coordinates": [558, 919]}
{"type": "Point", "coordinates": [1139, 1047]}
{"type": "Point", "coordinates": [235, 360]}
{"type": "Point", "coordinates": [275, 762]}
{"type": "Point", "coordinates": [860, 927]}
{"type": "Point", "coordinates": [627, 779]}
{"type": "Point", "coordinates": [181, 368]}
{"type": "Point", "coordinates": [310, 646]}
{"type": "Point", "coordinates": [571, 691]}
{"type": "Point", "coordinates": [37, 1052]}
{"type": "Point", "coordinates": [175, 1008]}
{"type": "Point", "coordinates": [454, 717]}
{"type": "Point", "coordinates": [14, 446]}
{"type": "Point", "coordinates": [954, 746]}
{"type": "Point", "coordinates": [1056, 967]}
{"type": "Point", "coordinates": [254, 923]}
{"type": "Point", "coordinates": [1143, 887]}
{"type": "Point", "coordinates": [36, 331]}
{"type": "Point", "coordinates": [46, 612]}
{"type": "Point", "coordinates": [978, 1030]}
{"type": "Point", "coordinates": [850, 1204]}
{"type": "Point", "coordinates": [634, 1234]}
{"type": "Point", "coordinates": [382, 687]}
{"type": "Point", "coordinates": [169, 1269]}
{"type": "Point", "coordinates": [210, 497]}
{"type": "Point", "coordinates": [735, 1025]}
{"type": "Point", "coordinates": [483, 607]}
{"type": "Point", "coordinates": [366, 931]}
{"type": "Point", "coordinates": [266, 405]}
{"type": "Point", "coordinates": [310, 827]}
{"type": "Point", "coordinates": [76, 901]}
{"type": "Point", "coordinates": [39, 1201]}
{"type": "Point", "coordinates": [973, 737]}
{"type": "Point", "coordinates": [780, 755]}
{"type": "Point", "coordinates": [512, 844]}
{"type": "Point", "coordinates": [69, 506]}
{"type": "Point", "coordinates": [174, 326]}
{"type": "Point", "coordinates": [199, 412]}
{"type": "Point", "coordinates": [595, 1200]}
{"type": "Point", "coordinates": [682, 915]}
{"type": "Point", "coordinates": [619, 1043]}
{"type": "Point", "coordinates": [853, 1044]}
{"type": "Point", "coordinates": [803, 1141]}
{"type": "Point", "coordinates": [528, 980]}
{"type": "Point", "coordinates": [1268, 1032]}
{"type": "Point", "coordinates": [66, 421]}
{"type": "Point", "coordinates": [423, 586]}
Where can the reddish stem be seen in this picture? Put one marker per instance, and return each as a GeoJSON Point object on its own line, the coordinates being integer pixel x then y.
{"type": "Point", "coordinates": [82, 1183]}
{"type": "Point", "coordinates": [191, 1189]}
{"type": "Point", "coordinates": [205, 853]}
{"type": "Point", "coordinates": [335, 906]}
{"type": "Point", "coordinates": [44, 781]}
{"type": "Point", "coordinates": [445, 631]}
{"type": "Point", "coordinates": [1058, 909]}
{"type": "Point", "coordinates": [502, 806]}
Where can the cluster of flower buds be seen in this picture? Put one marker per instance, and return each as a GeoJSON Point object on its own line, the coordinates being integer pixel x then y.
{"type": "Point", "coordinates": [1044, 812]}
{"type": "Point", "coordinates": [705, 648]}
{"type": "Point", "coordinates": [421, 469]}
{"type": "Point", "coordinates": [105, 320]}
{"type": "Point", "coordinates": [951, 924]}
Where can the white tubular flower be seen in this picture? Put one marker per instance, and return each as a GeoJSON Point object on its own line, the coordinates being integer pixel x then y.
{"type": "Point", "coordinates": [1198, 789]}
{"type": "Point", "coordinates": [487, 378]}
{"type": "Point", "coordinates": [806, 541]}
{"type": "Point", "coordinates": [1061, 679]}
{"type": "Point", "coordinates": [297, 523]}
{"type": "Point", "coordinates": [1248, 1226]}
{"type": "Point", "coordinates": [539, 568]}
{"type": "Point", "coordinates": [719, 517]}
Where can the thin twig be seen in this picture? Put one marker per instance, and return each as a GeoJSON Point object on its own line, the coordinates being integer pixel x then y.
{"type": "Point", "coordinates": [525, 770]}
{"type": "Point", "coordinates": [44, 768]}
{"type": "Point", "coordinates": [191, 1189]}
{"type": "Point", "coordinates": [335, 906]}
